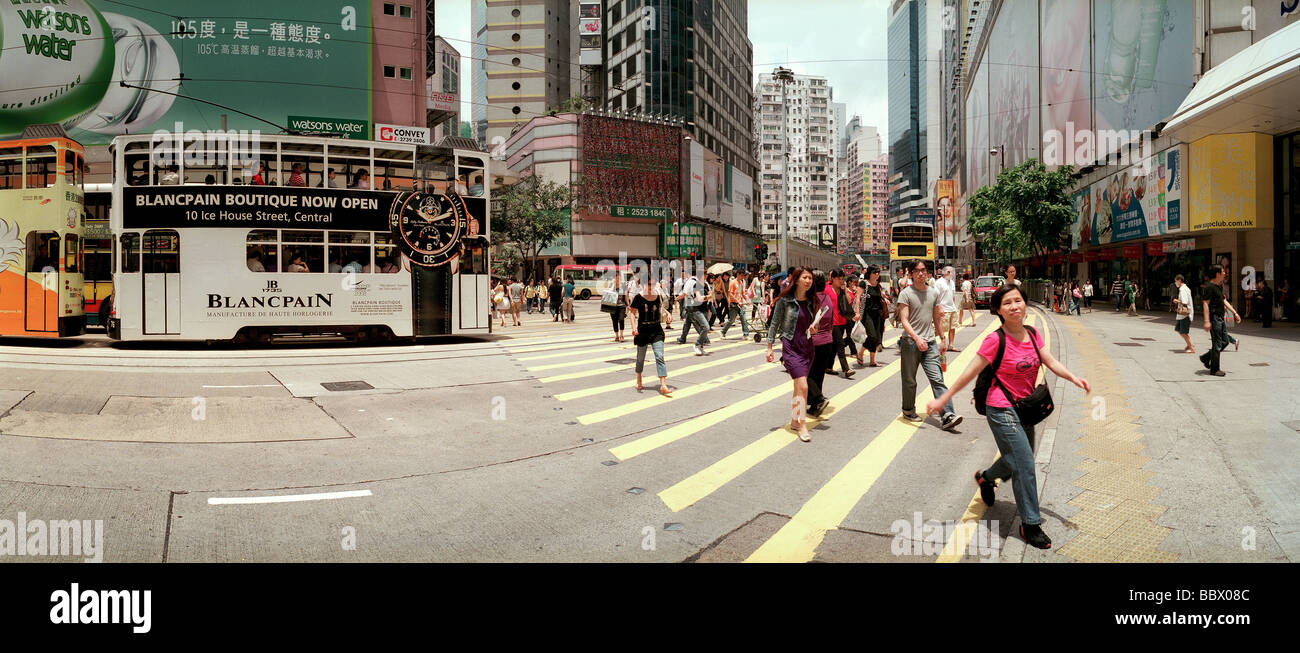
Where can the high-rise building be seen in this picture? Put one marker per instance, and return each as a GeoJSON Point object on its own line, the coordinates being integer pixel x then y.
{"type": "Point", "coordinates": [810, 126]}
{"type": "Point", "coordinates": [444, 90]}
{"type": "Point", "coordinates": [915, 46]}
{"type": "Point", "coordinates": [526, 64]}
{"type": "Point", "coordinates": [855, 189]}
{"type": "Point", "coordinates": [694, 62]}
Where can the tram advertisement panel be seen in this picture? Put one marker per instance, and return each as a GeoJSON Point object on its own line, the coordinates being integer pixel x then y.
{"type": "Point", "coordinates": [449, 217]}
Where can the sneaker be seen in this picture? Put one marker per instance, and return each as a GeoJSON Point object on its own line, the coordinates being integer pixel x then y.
{"type": "Point", "coordinates": [950, 421]}
{"type": "Point", "coordinates": [986, 488]}
{"type": "Point", "coordinates": [913, 417]}
{"type": "Point", "coordinates": [817, 410]}
{"type": "Point", "coordinates": [699, 351]}
{"type": "Point", "coordinates": [1035, 536]}
{"type": "Point", "coordinates": [1219, 373]}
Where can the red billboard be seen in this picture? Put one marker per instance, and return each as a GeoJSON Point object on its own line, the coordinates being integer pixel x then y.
{"type": "Point", "coordinates": [629, 162]}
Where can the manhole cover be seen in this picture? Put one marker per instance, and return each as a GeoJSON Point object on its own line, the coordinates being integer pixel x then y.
{"type": "Point", "coordinates": [1259, 364]}
{"type": "Point", "coordinates": [1129, 344]}
{"type": "Point", "coordinates": [609, 463]}
{"type": "Point", "coordinates": [584, 440]}
{"type": "Point", "coordinates": [622, 361]}
{"type": "Point", "coordinates": [674, 526]}
{"type": "Point", "coordinates": [345, 386]}
{"type": "Point", "coordinates": [1146, 339]}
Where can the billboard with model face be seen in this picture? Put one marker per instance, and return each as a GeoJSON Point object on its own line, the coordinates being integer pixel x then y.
{"type": "Point", "coordinates": [1066, 96]}
{"type": "Point", "coordinates": [67, 62]}
{"type": "Point", "coordinates": [1012, 58]}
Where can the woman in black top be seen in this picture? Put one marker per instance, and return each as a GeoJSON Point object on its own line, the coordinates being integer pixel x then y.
{"type": "Point", "coordinates": [617, 316]}
{"type": "Point", "coordinates": [873, 302]}
{"type": "Point", "coordinates": [647, 332]}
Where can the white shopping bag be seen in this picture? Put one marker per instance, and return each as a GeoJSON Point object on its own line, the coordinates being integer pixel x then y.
{"type": "Point", "coordinates": [859, 334]}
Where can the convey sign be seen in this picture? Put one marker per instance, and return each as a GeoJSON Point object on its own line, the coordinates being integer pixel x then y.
{"type": "Point", "coordinates": [401, 134]}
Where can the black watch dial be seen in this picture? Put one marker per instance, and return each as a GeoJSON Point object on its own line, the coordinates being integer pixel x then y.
{"type": "Point", "coordinates": [428, 227]}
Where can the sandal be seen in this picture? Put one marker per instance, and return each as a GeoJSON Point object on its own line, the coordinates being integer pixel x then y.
{"type": "Point", "coordinates": [663, 390]}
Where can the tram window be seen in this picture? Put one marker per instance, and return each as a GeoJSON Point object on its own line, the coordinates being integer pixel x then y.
{"type": "Point", "coordinates": [305, 244]}
{"type": "Point", "coordinates": [162, 251]}
{"type": "Point", "coordinates": [350, 237]}
{"type": "Point", "coordinates": [387, 258]}
{"type": "Point", "coordinates": [396, 175]}
{"type": "Point", "coordinates": [71, 254]}
{"type": "Point", "coordinates": [70, 167]}
{"type": "Point", "coordinates": [130, 252]}
{"type": "Point", "coordinates": [470, 173]}
{"type": "Point", "coordinates": [137, 168]}
{"type": "Point", "coordinates": [42, 251]}
{"type": "Point", "coordinates": [344, 259]}
{"type": "Point", "coordinates": [474, 260]}
{"type": "Point", "coordinates": [41, 171]}
{"type": "Point", "coordinates": [97, 261]}
{"type": "Point", "coordinates": [210, 164]}
{"type": "Point", "coordinates": [11, 168]}
{"type": "Point", "coordinates": [263, 258]}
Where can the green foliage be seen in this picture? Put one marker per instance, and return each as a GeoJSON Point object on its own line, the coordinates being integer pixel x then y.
{"type": "Point", "coordinates": [1027, 211]}
{"type": "Point", "coordinates": [534, 212]}
{"type": "Point", "coordinates": [574, 104]}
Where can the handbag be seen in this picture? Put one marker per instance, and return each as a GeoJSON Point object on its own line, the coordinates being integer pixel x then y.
{"type": "Point", "coordinates": [859, 334]}
{"type": "Point", "coordinates": [609, 301]}
{"type": "Point", "coordinates": [1182, 309]}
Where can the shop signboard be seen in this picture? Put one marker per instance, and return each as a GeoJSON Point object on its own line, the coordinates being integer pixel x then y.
{"type": "Point", "coordinates": [1155, 249]}
{"type": "Point", "coordinates": [1076, 257]}
{"type": "Point", "coordinates": [1132, 251]}
{"type": "Point", "coordinates": [1182, 245]}
{"type": "Point", "coordinates": [682, 239]}
{"type": "Point", "coordinates": [1137, 202]}
{"type": "Point", "coordinates": [1092, 256]}
{"type": "Point", "coordinates": [1109, 254]}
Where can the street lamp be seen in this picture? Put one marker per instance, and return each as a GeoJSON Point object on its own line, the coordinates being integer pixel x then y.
{"type": "Point", "coordinates": [1001, 152]}
{"type": "Point", "coordinates": [785, 75]}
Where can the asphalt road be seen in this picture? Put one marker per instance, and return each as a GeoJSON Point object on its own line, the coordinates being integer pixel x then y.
{"type": "Point", "coordinates": [532, 445]}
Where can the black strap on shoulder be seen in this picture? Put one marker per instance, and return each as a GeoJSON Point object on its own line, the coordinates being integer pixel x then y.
{"type": "Point", "coordinates": [1033, 340]}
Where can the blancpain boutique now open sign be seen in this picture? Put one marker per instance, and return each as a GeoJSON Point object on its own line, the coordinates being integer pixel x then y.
{"type": "Point", "coordinates": [256, 207]}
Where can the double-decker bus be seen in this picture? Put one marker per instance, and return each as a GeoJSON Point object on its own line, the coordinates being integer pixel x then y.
{"type": "Point", "coordinates": [221, 238]}
{"type": "Point", "coordinates": [40, 237]}
{"type": "Point", "coordinates": [911, 240]}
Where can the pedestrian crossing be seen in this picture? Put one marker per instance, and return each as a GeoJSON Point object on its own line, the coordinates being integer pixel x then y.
{"type": "Point", "coordinates": [738, 392]}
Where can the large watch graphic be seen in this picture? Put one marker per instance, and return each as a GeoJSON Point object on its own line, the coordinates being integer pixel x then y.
{"type": "Point", "coordinates": [428, 227]}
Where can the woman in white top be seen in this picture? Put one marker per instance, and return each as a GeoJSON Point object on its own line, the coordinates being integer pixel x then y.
{"type": "Point", "coordinates": [1087, 296]}
{"type": "Point", "coordinates": [1183, 323]}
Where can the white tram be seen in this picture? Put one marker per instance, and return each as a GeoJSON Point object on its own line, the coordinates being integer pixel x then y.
{"type": "Point", "coordinates": [218, 238]}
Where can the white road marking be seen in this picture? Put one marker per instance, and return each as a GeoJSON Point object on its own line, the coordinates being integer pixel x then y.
{"type": "Point", "coordinates": [287, 498]}
{"type": "Point", "coordinates": [260, 385]}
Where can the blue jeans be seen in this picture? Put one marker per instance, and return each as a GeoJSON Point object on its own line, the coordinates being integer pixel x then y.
{"type": "Point", "coordinates": [695, 317]}
{"type": "Point", "coordinates": [733, 314]}
{"type": "Point", "coordinates": [1016, 463]}
{"type": "Point", "coordinates": [929, 361]}
{"type": "Point", "coordinates": [660, 367]}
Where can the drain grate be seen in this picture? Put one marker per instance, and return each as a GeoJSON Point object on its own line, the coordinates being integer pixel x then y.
{"type": "Point", "coordinates": [1259, 364]}
{"type": "Point", "coordinates": [1129, 344]}
{"type": "Point", "coordinates": [622, 361]}
{"type": "Point", "coordinates": [345, 386]}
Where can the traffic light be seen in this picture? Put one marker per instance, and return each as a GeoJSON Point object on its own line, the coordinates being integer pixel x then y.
{"type": "Point", "coordinates": [758, 253]}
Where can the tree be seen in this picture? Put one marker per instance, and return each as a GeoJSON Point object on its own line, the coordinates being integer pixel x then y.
{"type": "Point", "coordinates": [1027, 210]}
{"type": "Point", "coordinates": [534, 212]}
{"type": "Point", "coordinates": [574, 104]}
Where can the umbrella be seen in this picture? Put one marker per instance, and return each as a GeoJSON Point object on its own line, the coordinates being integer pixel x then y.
{"type": "Point", "coordinates": [778, 276]}
{"type": "Point", "coordinates": [719, 268]}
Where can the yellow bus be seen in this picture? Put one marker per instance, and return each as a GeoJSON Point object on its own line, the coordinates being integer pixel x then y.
{"type": "Point", "coordinates": [910, 240]}
{"type": "Point", "coordinates": [40, 237]}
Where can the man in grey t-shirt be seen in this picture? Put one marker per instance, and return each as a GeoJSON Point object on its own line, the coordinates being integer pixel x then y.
{"type": "Point", "coordinates": [516, 291]}
{"type": "Point", "coordinates": [918, 307]}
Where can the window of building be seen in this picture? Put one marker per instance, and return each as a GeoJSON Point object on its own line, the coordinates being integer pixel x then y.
{"type": "Point", "coordinates": [406, 73]}
{"type": "Point", "coordinates": [631, 67]}
{"type": "Point", "coordinates": [515, 110]}
{"type": "Point", "coordinates": [514, 37]}
{"type": "Point", "coordinates": [390, 9]}
{"type": "Point", "coordinates": [515, 86]}
{"type": "Point", "coordinates": [404, 11]}
{"type": "Point", "coordinates": [514, 13]}
{"type": "Point", "coordinates": [390, 71]}
{"type": "Point", "coordinates": [515, 61]}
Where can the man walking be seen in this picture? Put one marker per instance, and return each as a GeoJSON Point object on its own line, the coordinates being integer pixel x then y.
{"type": "Point", "coordinates": [841, 313]}
{"type": "Point", "coordinates": [566, 309]}
{"type": "Point", "coordinates": [554, 293]}
{"type": "Point", "coordinates": [735, 291]}
{"type": "Point", "coordinates": [947, 287]}
{"type": "Point", "coordinates": [697, 295]}
{"type": "Point", "coordinates": [1214, 304]}
{"type": "Point", "coordinates": [1117, 291]}
{"type": "Point", "coordinates": [918, 308]}
{"type": "Point", "coordinates": [1264, 298]}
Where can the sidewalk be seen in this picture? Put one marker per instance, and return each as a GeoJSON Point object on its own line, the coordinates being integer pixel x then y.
{"type": "Point", "coordinates": [1164, 462]}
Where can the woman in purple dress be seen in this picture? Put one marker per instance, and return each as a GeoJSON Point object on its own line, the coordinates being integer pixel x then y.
{"type": "Point", "coordinates": [792, 319]}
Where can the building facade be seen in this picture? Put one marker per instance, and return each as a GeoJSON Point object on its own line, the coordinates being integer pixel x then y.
{"type": "Point", "coordinates": [687, 59]}
{"type": "Point", "coordinates": [809, 124]}
{"type": "Point", "coordinates": [444, 91]}
{"type": "Point", "coordinates": [525, 66]}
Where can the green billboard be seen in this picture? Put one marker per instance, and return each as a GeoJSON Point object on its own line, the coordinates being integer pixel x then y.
{"type": "Point", "coordinates": [66, 63]}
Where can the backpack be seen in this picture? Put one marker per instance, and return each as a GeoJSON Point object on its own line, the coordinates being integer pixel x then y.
{"type": "Point", "coordinates": [985, 379]}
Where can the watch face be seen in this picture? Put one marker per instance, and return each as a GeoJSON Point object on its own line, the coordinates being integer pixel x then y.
{"type": "Point", "coordinates": [428, 227]}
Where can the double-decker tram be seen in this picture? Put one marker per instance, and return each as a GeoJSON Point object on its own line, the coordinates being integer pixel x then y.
{"type": "Point", "coordinates": [220, 238]}
{"type": "Point", "coordinates": [40, 237]}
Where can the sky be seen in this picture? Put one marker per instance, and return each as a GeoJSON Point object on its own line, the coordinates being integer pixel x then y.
{"type": "Point", "coordinates": [841, 40]}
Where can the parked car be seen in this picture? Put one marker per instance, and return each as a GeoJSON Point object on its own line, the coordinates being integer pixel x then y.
{"type": "Point", "coordinates": [984, 287]}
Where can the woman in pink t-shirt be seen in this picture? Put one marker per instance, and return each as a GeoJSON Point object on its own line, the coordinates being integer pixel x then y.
{"type": "Point", "coordinates": [1021, 358]}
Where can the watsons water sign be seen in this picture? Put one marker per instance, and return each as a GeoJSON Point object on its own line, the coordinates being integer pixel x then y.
{"type": "Point", "coordinates": [57, 57]}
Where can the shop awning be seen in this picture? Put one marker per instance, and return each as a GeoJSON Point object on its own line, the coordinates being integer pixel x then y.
{"type": "Point", "coordinates": [1255, 90]}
